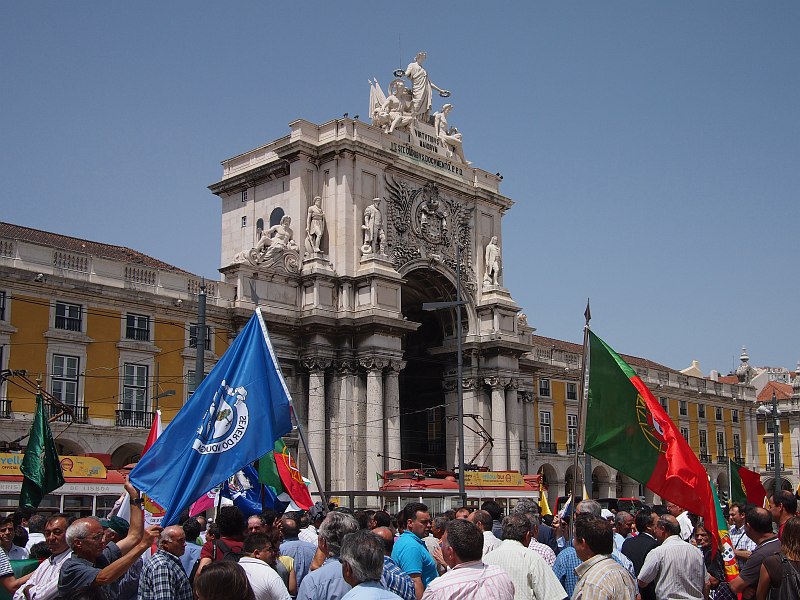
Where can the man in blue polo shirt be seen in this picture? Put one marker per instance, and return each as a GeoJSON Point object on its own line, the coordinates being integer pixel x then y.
{"type": "Point", "coordinates": [410, 552]}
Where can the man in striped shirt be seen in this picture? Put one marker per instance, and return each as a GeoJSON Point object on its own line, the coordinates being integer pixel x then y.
{"type": "Point", "coordinates": [600, 577]}
{"type": "Point", "coordinates": [468, 578]}
{"type": "Point", "coordinates": [677, 567]}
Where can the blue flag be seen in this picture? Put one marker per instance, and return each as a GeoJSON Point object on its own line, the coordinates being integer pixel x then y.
{"type": "Point", "coordinates": [232, 419]}
{"type": "Point", "coordinates": [248, 494]}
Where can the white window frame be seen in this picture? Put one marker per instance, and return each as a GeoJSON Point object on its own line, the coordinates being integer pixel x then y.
{"type": "Point", "coordinates": [664, 402]}
{"type": "Point", "coordinates": [737, 445]}
{"type": "Point", "coordinates": [721, 449]}
{"type": "Point", "coordinates": [719, 413]}
{"type": "Point", "coordinates": [190, 381]}
{"type": "Point", "coordinates": [701, 410]}
{"type": "Point", "coordinates": [209, 337]}
{"type": "Point", "coordinates": [702, 438]}
{"type": "Point", "coordinates": [683, 408]}
{"type": "Point", "coordinates": [685, 433]}
{"type": "Point", "coordinates": [572, 431]}
{"type": "Point", "coordinates": [80, 318]}
{"type": "Point", "coordinates": [545, 427]}
{"type": "Point", "coordinates": [734, 415]}
{"type": "Point", "coordinates": [574, 387]}
{"type": "Point", "coordinates": [136, 369]}
{"type": "Point", "coordinates": [60, 374]}
{"type": "Point", "coordinates": [136, 327]}
{"type": "Point", "coordinates": [544, 382]}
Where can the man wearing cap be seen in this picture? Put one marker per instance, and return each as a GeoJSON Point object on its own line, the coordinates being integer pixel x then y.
{"type": "Point", "coordinates": [43, 583]}
{"type": "Point", "coordinates": [114, 529]}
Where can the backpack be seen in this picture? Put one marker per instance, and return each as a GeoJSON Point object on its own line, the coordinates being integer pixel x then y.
{"type": "Point", "coordinates": [790, 584]}
{"type": "Point", "coordinates": [227, 553]}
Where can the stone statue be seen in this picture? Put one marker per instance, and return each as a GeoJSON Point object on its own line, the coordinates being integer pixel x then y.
{"type": "Point", "coordinates": [395, 110]}
{"type": "Point", "coordinates": [273, 241]}
{"type": "Point", "coordinates": [422, 87]}
{"type": "Point", "coordinates": [315, 226]}
{"type": "Point", "coordinates": [492, 255]}
{"type": "Point", "coordinates": [450, 137]}
{"type": "Point", "coordinates": [374, 235]}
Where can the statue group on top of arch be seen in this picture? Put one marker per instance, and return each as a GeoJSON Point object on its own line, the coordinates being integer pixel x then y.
{"type": "Point", "coordinates": [404, 108]}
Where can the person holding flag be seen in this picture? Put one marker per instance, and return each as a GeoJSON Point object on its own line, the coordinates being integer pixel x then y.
{"type": "Point", "coordinates": [234, 418]}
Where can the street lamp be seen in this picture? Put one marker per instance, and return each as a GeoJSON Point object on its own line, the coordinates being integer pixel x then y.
{"type": "Point", "coordinates": [431, 306]}
{"type": "Point", "coordinates": [775, 414]}
{"type": "Point", "coordinates": [164, 394]}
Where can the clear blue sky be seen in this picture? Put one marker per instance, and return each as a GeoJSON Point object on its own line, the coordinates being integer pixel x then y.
{"type": "Point", "coordinates": [652, 148]}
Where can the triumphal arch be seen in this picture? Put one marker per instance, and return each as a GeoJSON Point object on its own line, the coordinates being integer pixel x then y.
{"type": "Point", "coordinates": [341, 232]}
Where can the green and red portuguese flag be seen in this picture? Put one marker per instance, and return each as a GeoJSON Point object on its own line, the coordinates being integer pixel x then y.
{"type": "Point", "coordinates": [746, 485]}
{"type": "Point", "coordinates": [279, 471]}
{"type": "Point", "coordinates": [627, 428]}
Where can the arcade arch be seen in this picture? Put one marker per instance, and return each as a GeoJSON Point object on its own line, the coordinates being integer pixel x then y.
{"type": "Point", "coordinates": [126, 454]}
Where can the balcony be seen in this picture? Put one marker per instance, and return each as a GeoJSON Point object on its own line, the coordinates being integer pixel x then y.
{"type": "Point", "coordinates": [5, 409]}
{"type": "Point", "coordinates": [81, 414]}
{"type": "Point", "coordinates": [137, 334]}
{"type": "Point", "coordinates": [738, 459]}
{"type": "Point", "coordinates": [571, 448]}
{"type": "Point", "coordinates": [771, 466]}
{"type": "Point", "coordinates": [722, 459]}
{"type": "Point", "coordinates": [548, 448]}
{"type": "Point", "coordinates": [705, 458]}
{"type": "Point", "coordinates": [134, 418]}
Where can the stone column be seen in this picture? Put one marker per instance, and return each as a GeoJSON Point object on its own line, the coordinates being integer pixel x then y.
{"type": "Point", "coordinates": [392, 394]}
{"type": "Point", "coordinates": [514, 415]}
{"type": "Point", "coordinates": [316, 415]}
{"type": "Point", "coordinates": [499, 424]}
{"type": "Point", "coordinates": [472, 406]}
{"type": "Point", "coordinates": [374, 419]}
{"type": "Point", "coordinates": [450, 388]}
{"type": "Point", "coordinates": [342, 426]}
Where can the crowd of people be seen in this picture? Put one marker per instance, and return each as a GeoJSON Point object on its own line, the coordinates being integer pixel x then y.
{"type": "Point", "coordinates": [331, 553]}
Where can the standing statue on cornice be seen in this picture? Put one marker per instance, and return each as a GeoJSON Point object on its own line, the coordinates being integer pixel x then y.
{"type": "Point", "coordinates": [449, 136]}
{"type": "Point", "coordinates": [492, 265]}
{"type": "Point", "coordinates": [374, 235]}
{"type": "Point", "coordinates": [315, 226]}
{"type": "Point", "coordinates": [422, 87]}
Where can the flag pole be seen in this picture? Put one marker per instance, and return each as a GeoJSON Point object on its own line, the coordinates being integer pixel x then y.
{"type": "Point", "coordinates": [581, 417]}
{"type": "Point", "coordinates": [730, 483]}
{"type": "Point", "coordinates": [320, 488]}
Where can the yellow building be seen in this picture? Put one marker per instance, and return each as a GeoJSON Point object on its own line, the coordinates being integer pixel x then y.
{"type": "Point", "coordinates": [110, 331]}
{"type": "Point", "coordinates": [717, 418]}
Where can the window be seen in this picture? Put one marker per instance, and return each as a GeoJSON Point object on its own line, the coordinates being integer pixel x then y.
{"type": "Point", "coordinates": [193, 336]}
{"type": "Point", "coordinates": [701, 411]}
{"type": "Point", "coordinates": [244, 221]}
{"type": "Point", "coordinates": [737, 445]}
{"type": "Point", "coordinates": [68, 316]}
{"type": "Point", "coordinates": [664, 403]}
{"type": "Point", "coordinates": [771, 454]}
{"type": "Point", "coordinates": [190, 388]}
{"type": "Point", "coordinates": [572, 391]}
{"type": "Point", "coordinates": [683, 411]}
{"type": "Point", "coordinates": [244, 195]}
{"type": "Point", "coordinates": [2, 306]}
{"type": "Point", "coordinates": [544, 426]}
{"type": "Point", "coordinates": [134, 387]}
{"type": "Point", "coordinates": [721, 443]}
{"type": "Point", "coordinates": [544, 388]}
{"type": "Point", "coordinates": [685, 433]}
{"type": "Point", "coordinates": [572, 431]}
{"type": "Point", "coordinates": [719, 413]}
{"type": "Point", "coordinates": [137, 328]}
{"type": "Point", "coordinates": [275, 216]}
{"type": "Point", "coordinates": [771, 424]}
{"type": "Point", "coordinates": [64, 379]}
{"type": "Point", "coordinates": [735, 415]}
{"type": "Point", "coordinates": [703, 437]}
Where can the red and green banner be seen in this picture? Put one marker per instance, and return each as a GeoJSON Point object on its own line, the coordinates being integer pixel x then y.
{"type": "Point", "coordinates": [746, 485]}
{"type": "Point", "coordinates": [627, 428]}
{"type": "Point", "coordinates": [725, 544]}
{"type": "Point", "coordinates": [279, 471]}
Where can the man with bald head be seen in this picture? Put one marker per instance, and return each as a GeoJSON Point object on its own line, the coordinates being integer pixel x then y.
{"type": "Point", "coordinates": [485, 522]}
{"type": "Point", "coordinates": [163, 576]}
{"type": "Point", "coordinates": [302, 552]}
{"type": "Point", "coordinates": [676, 567]}
{"type": "Point", "coordinates": [98, 563]}
{"type": "Point", "coordinates": [393, 579]}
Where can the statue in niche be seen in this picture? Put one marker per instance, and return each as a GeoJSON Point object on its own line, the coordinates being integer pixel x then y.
{"type": "Point", "coordinates": [273, 241]}
{"type": "Point", "coordinates": [492, 262]}
{"type": "Point", "coordinates": [315, 226]}
{"type": "Point", "coordinates": [393, 111]}
{"type": "Point", "coordinates": [421, 87]}
{"type": "Point", "coordinates": [374, 235]}
{"type": "Point", "coordinates": [450, 137]}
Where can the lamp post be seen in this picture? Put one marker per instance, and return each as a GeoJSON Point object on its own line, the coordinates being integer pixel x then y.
{"type": "Point", "coordinates": [430, 306]}
{"type": "Point", "coordinates": [775, 414]}
{"type": "Point", "coordinates": [164, 394]}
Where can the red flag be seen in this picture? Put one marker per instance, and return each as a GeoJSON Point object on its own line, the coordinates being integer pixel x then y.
{"type": "Point", "coordinates": [291, 478]}
{"type": "Point", "coordinates": [746, 485]}
{"type": "Point", "coordinates": [155, 432]}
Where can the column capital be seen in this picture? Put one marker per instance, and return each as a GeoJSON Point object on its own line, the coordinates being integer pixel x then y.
{"type": "Point", "coordinates": [373, 364]}
{"type": "Point", "coordinates": [315, 363]}
{"type": "Point", "coordinates": [514, 383]}
{"type": "Point", "coordinates": [471, 383]}
{"type": "Point", "coordinates": [395, 366]}
{"type": "Point", "coordinates": [497, 382]}
{"type": "Point", "coordinates": [346, 366]}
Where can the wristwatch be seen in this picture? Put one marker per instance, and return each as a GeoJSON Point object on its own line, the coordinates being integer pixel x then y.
{"type": "Point", "coordinates": [137, 501]}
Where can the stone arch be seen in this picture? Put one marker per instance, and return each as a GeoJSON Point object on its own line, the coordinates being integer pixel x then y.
{"type": "Point", "coordinates": [769, 485]}
{"type": "Point", "coordinates": [549, 479]}
{"type": "Point", "coordinates": [722, 484]}
{"type": "Point", "coordinates": [69, 447]}
{"type": "Point", "coordinates": [275, 216]}
{"type": "Point", "coordinates": [601, 483]}
{"type": "Point", "coordinates": [125, 454]}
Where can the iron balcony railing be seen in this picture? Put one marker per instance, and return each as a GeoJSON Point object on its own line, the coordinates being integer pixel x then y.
{"type": "Point", "coordinates": [134, 418]}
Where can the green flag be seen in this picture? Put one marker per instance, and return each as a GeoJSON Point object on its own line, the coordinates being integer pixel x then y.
{"type": "Point", "coordinates": [41, 469]}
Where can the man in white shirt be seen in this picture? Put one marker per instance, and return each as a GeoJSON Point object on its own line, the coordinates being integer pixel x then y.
{"type": "Point", "coordinates": [683, 520]}
{"type": "Point", "coordinates": [35, 528]}
{"type": "Point", "coordinates": [6, 540]}
{"type": "Point", "coordinates": [743, 546]}
{"type": "Point", "coordinates": [265, 581]}
{"type": "Point", "coordinates": [677, 567]}
{"type": "Point", "coordinates": [483, 520]}
{"type": "Point", "coordinates": [43, 583]}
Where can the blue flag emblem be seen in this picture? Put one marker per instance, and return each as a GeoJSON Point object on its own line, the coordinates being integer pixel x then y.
{"type": "Point", "coordinates": [232, 419]}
